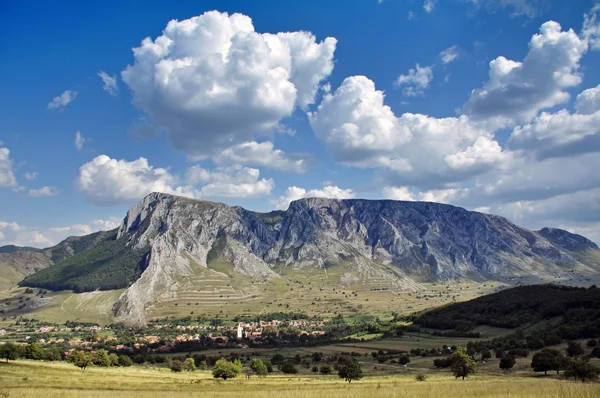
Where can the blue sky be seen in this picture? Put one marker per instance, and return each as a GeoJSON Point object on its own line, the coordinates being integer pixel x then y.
{"type": "Point", "coordinates": [492, 105]}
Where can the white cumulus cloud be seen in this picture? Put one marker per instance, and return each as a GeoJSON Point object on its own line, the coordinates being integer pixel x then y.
{"type": "Point", "coordinates": [360, 130]}
{"type": "Point", "coordinates": [211, 81]}
{"type": "Point", "coordinates": [517, 91]}
{"type": "Point", "coordinates": [263, 154]}
{"type": "Point", "coordinates": [416, 82]}
{"type": "Point", "coordinates": [7, 175]}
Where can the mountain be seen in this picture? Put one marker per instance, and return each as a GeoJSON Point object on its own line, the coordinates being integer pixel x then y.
{"type": "Point", "coordinates": [165, 242]}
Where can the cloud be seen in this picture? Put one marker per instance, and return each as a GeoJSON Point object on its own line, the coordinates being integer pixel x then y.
{"type": "Point", "coordinates": [436, 195]}
{"type": "Point", "coordinates": [7, 176]}
{"type": "Point", "coordinates": [591, 27]}
{"type": "Point", "coordinates": [44, 191]}
{"type": "Point", "coordinates": [429, 5]}
{"type": "Point", "coordinates": [295, 193]}
{"type": "Point", "coordinates": [517, 91]}
{"type": "Point", "coordinates": [414, 149]}
{"type": "Point", "coordinates": [229, 182]}
{"type": "Point", "coordinates": [31, 176]}
{"type": "Point", "coordinates": [449, 55]}
{"type": "Point", "coordinates": [212, 82]}
{"type": "Point", "coordinates": [105, 181]}
{"type": "Point", "coordinates": [527, 8]}
{"type": "Point", "coordinates": [263, 154]}
{"type": "Point", "coordinates": [109, 83]}
{"type": "Point", "coordinates": [558, 134]}
{"type": "Point", "coordinates": [79, 141]}
{"type": "Point", "coordinates": [12, 233]}
{"type": "Point", "coordinates": [416, 82]}
{"type": "Point", "coordinates": [588, 101]}
{"type": "Point", "coordinates": [62, 100]}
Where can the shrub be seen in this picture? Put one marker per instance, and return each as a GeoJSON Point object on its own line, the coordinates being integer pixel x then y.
{"type": "Point", "coordinates": [421, 377]}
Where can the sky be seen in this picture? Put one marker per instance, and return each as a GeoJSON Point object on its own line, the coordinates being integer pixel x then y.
{"type": "Point", "coordinates": [491, 105]}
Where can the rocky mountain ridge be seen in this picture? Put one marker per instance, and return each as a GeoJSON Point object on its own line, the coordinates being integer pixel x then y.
{"type": "Point", "coordinates": [403, 242]}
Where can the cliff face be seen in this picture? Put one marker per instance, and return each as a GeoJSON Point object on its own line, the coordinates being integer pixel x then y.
{"type": "Point", "coordinates": [395, 240]}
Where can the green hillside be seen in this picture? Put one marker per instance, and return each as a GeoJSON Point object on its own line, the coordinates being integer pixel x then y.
{"type": "Point", "coordinates": [106, 264]}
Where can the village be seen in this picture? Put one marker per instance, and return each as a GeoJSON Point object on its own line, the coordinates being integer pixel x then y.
{"type": "Point", "coordinates": [167, 335]}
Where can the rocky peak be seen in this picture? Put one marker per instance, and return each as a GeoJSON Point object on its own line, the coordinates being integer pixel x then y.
{"type": "Point", "coordinates": [567, 240]}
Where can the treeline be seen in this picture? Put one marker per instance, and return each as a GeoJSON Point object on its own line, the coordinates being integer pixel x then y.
{"type": "Point", "coordinates": [107, 265]}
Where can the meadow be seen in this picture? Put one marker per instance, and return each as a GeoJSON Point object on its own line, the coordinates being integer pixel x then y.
{"type": "Point", "coordinates": [47, 380]}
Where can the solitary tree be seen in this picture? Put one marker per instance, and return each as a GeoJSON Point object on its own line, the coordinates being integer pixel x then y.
{"type": "Point", "coordinates": [9, 351]}
{"type": "Point", "coordinates": [583, 370]}
{"type": "Point", "coordinates": [462, 364]}
{"type": "Point", "coordinates": [224, 369]}
{"type": "Point", "coordinates": [350, 370]}
{"type": "Point", "coordinates": [485, 355]}
{"type": "Point", "coordinates": [259, 367]}
{"type": "Point", "coordinates": [507, 362]}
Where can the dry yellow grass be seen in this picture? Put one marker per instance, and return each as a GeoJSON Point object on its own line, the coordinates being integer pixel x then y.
{"type": "Point", "coordinates": [47, 380]}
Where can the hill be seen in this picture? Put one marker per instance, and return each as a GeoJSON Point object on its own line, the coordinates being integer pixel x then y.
{"type": "Point", "coordinates": [169, 247]}
{"type": "Point", "coordinates": [545, 314]}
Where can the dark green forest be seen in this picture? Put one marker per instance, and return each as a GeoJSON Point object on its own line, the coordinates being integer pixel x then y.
{"type": "Point", "coordinates": [106, 265]}
{"type": "Point", "coordinates": [542, 314]}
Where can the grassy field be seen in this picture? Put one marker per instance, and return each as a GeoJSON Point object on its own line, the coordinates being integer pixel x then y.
{"type": "Point", "coordinates": [47, 380]}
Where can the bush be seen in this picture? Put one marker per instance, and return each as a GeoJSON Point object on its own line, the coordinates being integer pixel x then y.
{"type": "Point", "coordinates": [125, 361]}
{"type": "Point", "coordinates": [325, 370]}
{"type": "Point", "coordinates": [189, 365]}
{"type": "Point", "coordinates": [582, 370]}
{"type": "Point", "coordinates": [315, 369]}
{"type": "Point", "coordinates": [421, 377]}
{"type": "Point", "coordinates": [176, 365]}
{"type": "Point", "coordinates": [289, 368]}
{"type": "Point", "coordinates": [259, 367]}
{"type": "Point", "coordinates": [101, 358]}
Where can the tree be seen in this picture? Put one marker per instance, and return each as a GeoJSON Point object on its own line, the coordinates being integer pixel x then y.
{"type": "Point", "coordinates": [315, 369]}
{"type": "Point", "coordinates": [224, 369]}
{"type": "Point", "coordinates": [592, 343]}
{"type": "Point", "coordinates": [485, 355]}
{"type": "Point", "coordinates": [288, 367]}
{"type": "Point", "coordinates": [125, 361]}
{"type": "Point", "coordinates": [462, 364]}
{"type": "Point", "coordinates": [34, 351]}
{"type": "Point", "coordinates": [100, 358]}
{"type": "Point", "coordinates": [176, 365]}
{"type": "Point", "coordinates": [203, 365]}
{"type": "Point", "coordinates": [403, 359]}
{"type": "Point", "coordinates": [547, 359]}
{"type": "Point", "coordinates": [189, 365]}
{"type": "Point", "coordinates": [9, 351]}
{"type": "Point", "coordinates": [80, 359]}
{"type": "Point", "coordinates": [259, 367]}
{"type": "Point", "coordinates": [507, 362]}
{"type": "Point", "coordinates": [114, 359]}
{"type": "Point", "coordinates": [325, 370]}
{"type": "Point", "coordinates": [583, 370]}
{"type": "Point", "coordinates": [574, 349]}
{"type": "Point", "coordinates": [350, 370]}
